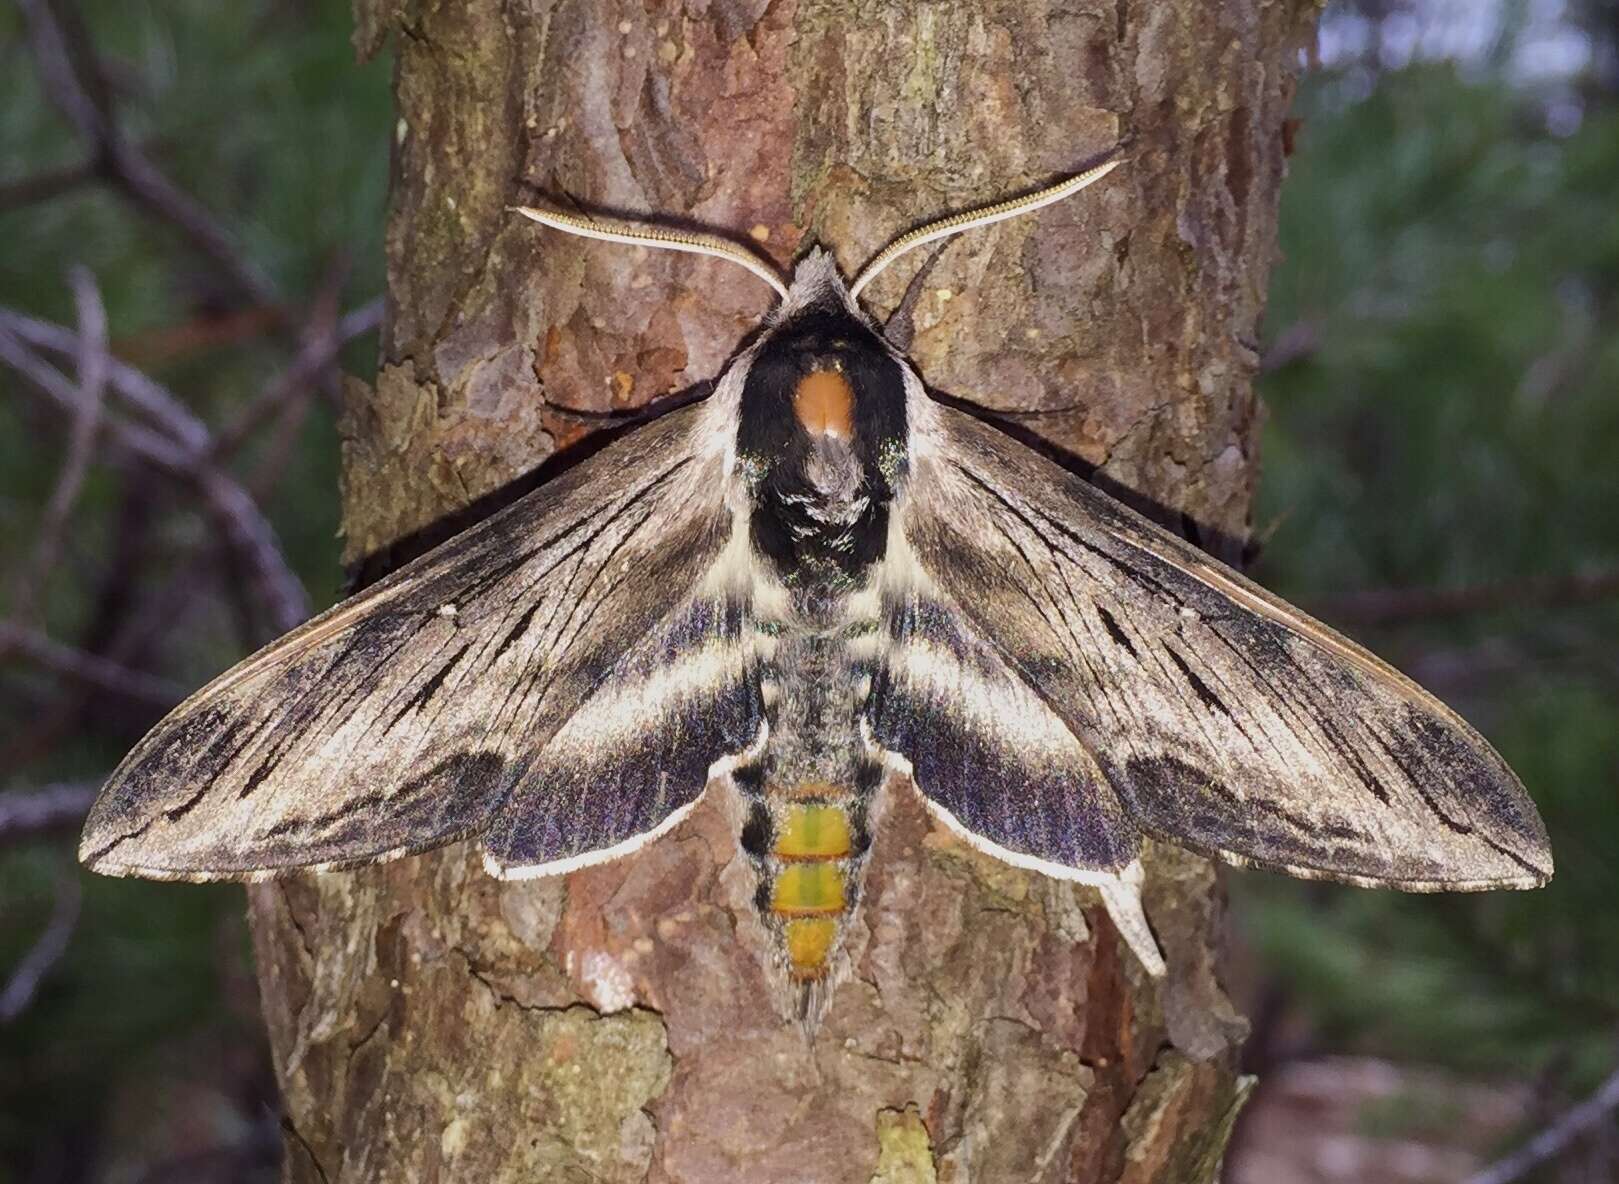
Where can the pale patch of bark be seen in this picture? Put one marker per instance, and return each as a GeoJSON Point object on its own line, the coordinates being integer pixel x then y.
{"type": "Point", "coordinates": [432, 1023]}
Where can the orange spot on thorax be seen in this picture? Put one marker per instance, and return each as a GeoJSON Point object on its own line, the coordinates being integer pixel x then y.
{"type": "Point", "coordinates": [824, 404]}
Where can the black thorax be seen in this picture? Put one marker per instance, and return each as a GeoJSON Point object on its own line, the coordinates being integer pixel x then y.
{"type": "Point", "coordinates": [821, 497]}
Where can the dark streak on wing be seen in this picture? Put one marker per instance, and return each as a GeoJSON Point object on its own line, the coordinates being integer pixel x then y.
{"type": "Point", "coordinates": [1200, 688]}
{"type": "Point", "coordinates": [477, 772]}
{"type": "Point", "coordinates": [423, 695]}
{"type": "Point", "coordinates": [1113, 630]}
{"type": "Point", "coordinates": [604, 780]}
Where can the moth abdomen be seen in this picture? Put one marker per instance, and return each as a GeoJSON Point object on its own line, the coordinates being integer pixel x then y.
{"type": "Point", "coordinates": [810, 874]}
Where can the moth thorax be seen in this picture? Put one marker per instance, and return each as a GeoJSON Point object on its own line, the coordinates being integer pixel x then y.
{"type": "Point", "coordinates": [823, 402]}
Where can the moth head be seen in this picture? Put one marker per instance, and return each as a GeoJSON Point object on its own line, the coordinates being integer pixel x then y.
{"type": "Point", "coordinates": [823, 392]}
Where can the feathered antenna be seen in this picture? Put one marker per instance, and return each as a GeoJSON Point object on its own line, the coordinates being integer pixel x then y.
{"type": "Point", "coordinates": [614, 231]}
{"type": "Point", "coordinates": [956, 223]}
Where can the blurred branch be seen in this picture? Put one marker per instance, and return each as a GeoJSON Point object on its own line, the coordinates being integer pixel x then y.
{"type": "Point", "coordinates": [312, 367]}
{"type": "Point", "coordinates": [133, 637]}
{"type": "Point", "coordinates": [323, 339]}
{"type": "Point", "coordinates": [1296, 342]}
{"type": "Point", "coordinates": [91, 354]}
{"type": "Point", "coordinates": [1555, 1139]}
{"type": "Point", "coordinates": [28, 813]}
{"type": "Point", "coordinates": [89, 669]}
{"type": "Point", "coordinates": [1395, 606]}
{"type": "Point", "coordinates": [121, 163]}
{"type": "Point", "coordinates": [53, 183]}
{"type": "Point", "coordinates": [1454, 672]}
{"type": "Point", "coordinates": [207, 328]}
{"type": "Point", "coordinates": [182, 449]}
{"type": "Point", "coordinates": [25, 981]}
{"type": "Point", "coordinates": [45, 186]}
{"type": "Point", "coordinates": [131, 385]}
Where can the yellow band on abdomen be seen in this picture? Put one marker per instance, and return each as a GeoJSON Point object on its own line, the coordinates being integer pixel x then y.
{"type": "Point", "coordinates": [813, 839]}
{"type": "Point", "coordinates": [813, 830]}
{"type": "Point", "coordinates": [808, 889]}
{"type": "Point", "coordinates": [809, 944]}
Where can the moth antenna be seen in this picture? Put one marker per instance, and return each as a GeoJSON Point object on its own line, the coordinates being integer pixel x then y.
{"type": "Point", "coordinates": [983, 216]}
{"type": "Point", "coordinates": [613, 231]}
{"type": "Point", "coordinates": [901, 326]}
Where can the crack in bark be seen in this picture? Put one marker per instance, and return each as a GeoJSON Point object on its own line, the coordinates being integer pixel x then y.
{"type": "Point", "coordinates": [291, 1128]}
{"type": "Point", "coordinates": [282, 887]}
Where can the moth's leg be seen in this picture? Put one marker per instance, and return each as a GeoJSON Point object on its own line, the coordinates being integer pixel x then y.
{"type": "Point", "coordinates": [1122, 899]}
{"type": "Point", "coordinates": [900, 329]}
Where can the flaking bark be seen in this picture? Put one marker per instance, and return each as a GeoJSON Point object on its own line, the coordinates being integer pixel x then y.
{"type": "Point", "coordinates": [430, 1023]}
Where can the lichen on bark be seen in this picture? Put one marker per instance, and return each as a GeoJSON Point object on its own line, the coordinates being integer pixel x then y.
{"type": "Point", "coordinates": [429, 1022]}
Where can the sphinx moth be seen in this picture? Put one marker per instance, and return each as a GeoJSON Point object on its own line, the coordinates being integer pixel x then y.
{"type": "Point", "coordinates": [813, 583]}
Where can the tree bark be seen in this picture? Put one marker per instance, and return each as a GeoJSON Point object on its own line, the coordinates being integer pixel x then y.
{"type": "Point", "coordinates": [430, 1023]}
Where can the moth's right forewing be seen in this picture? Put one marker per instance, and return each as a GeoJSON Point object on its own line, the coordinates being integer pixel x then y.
{"type": "Point", "coordinates": [1224, 719]}
{"type": "Point", "coordinates": [403, 718]}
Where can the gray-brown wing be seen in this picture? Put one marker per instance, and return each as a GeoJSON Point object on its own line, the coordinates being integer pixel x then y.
{"type": "Point", "coordinates": [987, 753]}
{"type": "Point", "coordinates": [484, 679]}
{"type": "Point", "coordinates": [1224, 719]}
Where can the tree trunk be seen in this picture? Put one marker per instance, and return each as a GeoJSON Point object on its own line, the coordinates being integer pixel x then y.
{"type": "Point", "coordinates": [430, 1023]}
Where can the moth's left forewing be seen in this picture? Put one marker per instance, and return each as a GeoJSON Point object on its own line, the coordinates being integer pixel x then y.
{"type": "Point", "coordinates": [1224, 719]}
{"type": "Point", "coordinates": [559, 679]}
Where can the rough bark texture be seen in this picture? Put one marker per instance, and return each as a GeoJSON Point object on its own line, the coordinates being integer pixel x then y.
{"type": "Point", "coordinates": [430, 1023]}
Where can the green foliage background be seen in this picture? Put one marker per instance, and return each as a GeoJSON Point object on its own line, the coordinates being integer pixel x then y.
{"type": "Point", "coordinates": [143, 1047]}
{"type": "Point", "coordinates": [1456, 267]}
{"type": "Point", "coordinates": [1443, 413]}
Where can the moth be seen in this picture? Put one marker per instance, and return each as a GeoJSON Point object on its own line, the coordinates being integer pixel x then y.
{"type": "Point", "coordinates": [814, 584]}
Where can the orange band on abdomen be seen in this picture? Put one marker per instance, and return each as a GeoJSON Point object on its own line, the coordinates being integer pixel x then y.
{"type": "Point", "coordinates": [809, 945]}
{"type": "Point", "coordinates": [814, 838]}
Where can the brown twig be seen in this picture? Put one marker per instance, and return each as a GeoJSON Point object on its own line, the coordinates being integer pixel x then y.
{"type": "Point", "coordinates": [121, 162]}
{"type": "Point", "coordinates": [26, 979]}
{"type": "Point", "coordinates": [282, 398]}
{"type": "Point", "coordinates": [89, 669]}
{"type": "Point", "coordinates": [30, 813]}
{"type": "Point", "coordinates": [182, 451]}
{"type": "Point", "coordinates": [134, 388]}
{"type": "Point", "coordinates": [207, 328]}
{"type": "Point", "coordinates": [1555, 1139]}
{"type": "Point", "coordinates": [44, 186]}
{"type": "Point", "coordinates": [314, 369]}
{"type": "Point", "coordinates": [1397, 606]}
{"type": "Point", "coordinates": [1298, 341]}
{"type": "Point", "coordinates": [91, 354]}
{"type": "Point", "coordinates": [323, 339]}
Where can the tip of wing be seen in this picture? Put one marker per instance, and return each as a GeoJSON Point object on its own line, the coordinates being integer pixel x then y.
{"type": "Point", "coordinates": [1539, 860]}
{"type": "Point", "coordinates": [96, 844]}
{"type": "Point", "coordinates": [109, 851]}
